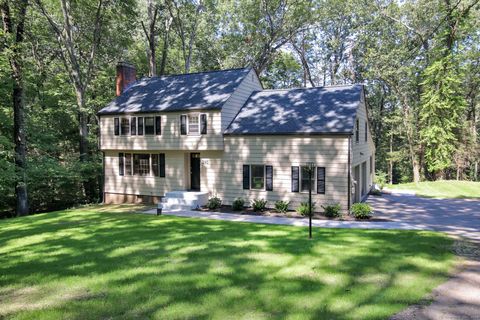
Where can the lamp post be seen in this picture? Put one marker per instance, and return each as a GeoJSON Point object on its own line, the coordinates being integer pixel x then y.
{"type": "Point", "coordinates": [311, 170]}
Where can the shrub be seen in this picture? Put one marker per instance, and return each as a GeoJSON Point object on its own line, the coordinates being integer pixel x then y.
{"type": "Point", "coordinates": [259, 205]}
{"type": "Point", "coordinates": [238, 204]}
{"type": "Point", "coordinates": [281, 206]}
{"type": "Point", "coordinates": [214, 203]}
{"type": "Point", "coordinates": [303, 208]}
{"type": "Point", "coordinates": [332, 210]}
{"type": "Point", "coordinates": [362, 211]}
{"type": "Point", "coordinates": [380, 179]}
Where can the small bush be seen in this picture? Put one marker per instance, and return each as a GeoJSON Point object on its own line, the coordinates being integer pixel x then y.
{"type": "Point", "coordinates": [259, 205]}
{"type": "Point", "coordinates": [380, 179]}
{"type": "Point", "coordinates": [238, 204]}
{"type": "Point", "coordinates": [281, 206]}
{"type": "Point", "coordinates": [214, 203]}
{"type": "Point", "coordinates": [332, 210]}
{"type": "Point", "coordinates": [362, 211]}
{"type": "Point", "coordinates": [303, 208]}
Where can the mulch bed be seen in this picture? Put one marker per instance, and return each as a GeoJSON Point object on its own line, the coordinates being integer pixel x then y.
{"type": "Point", "coordinates": [289, 214]}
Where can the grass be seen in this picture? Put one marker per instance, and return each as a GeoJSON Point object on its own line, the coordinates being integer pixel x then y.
{"type": "Point", "coordinates": [442, 189]}
{"type": "Point", "coordinates": [102, 262]}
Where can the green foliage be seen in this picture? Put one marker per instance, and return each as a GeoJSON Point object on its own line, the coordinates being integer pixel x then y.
{"type": "Point", "coordinates": [282, 206]}
{"type": "Point", "coordinates": [283, 72]}
{"type": "Point", "coordinates": [304, 207]}
{"type": "Point", "coordinates": [443, 104]}
{"type": "Point", "coordinates": [214, 203]}
{"type": "Point", "coordinates": [238, 204]}
{"type": "Point", "coordinates": [361, 210]}
{"type": "Point", "coordinates": [259, 205]}
{"type": "Point", "coordinates": [332, 210]}
{"type": "Point", "coordinates": [380, 179]}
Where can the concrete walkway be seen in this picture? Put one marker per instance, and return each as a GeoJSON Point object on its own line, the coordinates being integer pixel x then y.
{"type": "Point", "coordinates": [292, 221]}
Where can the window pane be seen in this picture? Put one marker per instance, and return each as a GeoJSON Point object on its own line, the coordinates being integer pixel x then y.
{"type": "Point", "coordinates": [305, 177]}
{"type": "Point", "coordinates": [149, 125]}
{"type": "Point", "coordinates": [133, 126]}
{"type": "Point", "coordinates": [140, 126]}
{"type": "Point", "coordinates": [141, 164]}
{"type": "Point", "coordinates": [125, 126]}
{"type": "Point", "coordinates": [193, 124]}
{"type": "Point", "coordinates": [258, 177]}
{"type": "Point", "coordinates": [128, 164]}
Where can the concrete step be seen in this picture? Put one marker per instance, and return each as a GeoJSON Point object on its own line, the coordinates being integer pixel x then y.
{"type": "Point", "coordinates": [185, 200]}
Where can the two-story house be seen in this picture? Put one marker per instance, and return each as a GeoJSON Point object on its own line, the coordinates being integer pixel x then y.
{"type": "Point", "coordinates": [220, 133]}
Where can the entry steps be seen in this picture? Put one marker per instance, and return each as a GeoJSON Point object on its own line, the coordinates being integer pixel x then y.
{"type": "Point", "coordinates": [183, 200]}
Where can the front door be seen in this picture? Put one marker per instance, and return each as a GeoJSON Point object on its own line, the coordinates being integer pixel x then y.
{"type": "Point", "coordinates": [195, 171]}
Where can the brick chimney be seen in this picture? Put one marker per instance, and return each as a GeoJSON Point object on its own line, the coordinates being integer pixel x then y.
{"type": "Point", "coordinates": [126, 75]}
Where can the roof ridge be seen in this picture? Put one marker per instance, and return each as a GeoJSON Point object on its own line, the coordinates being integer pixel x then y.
{"type": "Point", "coordinates": [198, 72]}
{"type": "Point", "coordinates": [307, 88]}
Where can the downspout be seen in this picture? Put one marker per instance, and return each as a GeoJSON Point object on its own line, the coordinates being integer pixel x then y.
{"type": "Point", "coordinates": [349, 176]}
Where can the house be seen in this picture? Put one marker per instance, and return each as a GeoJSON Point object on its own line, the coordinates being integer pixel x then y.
{"type": "Point", "coordinates": [220, 133]}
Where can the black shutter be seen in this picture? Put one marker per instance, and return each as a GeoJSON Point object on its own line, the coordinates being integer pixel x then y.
{"type": "Point", "coordinates": [366, 131]}
{"type": "Point", "coordinates": [140, 126]}
{"type": "Point", "coordinates": [246, 176]}
{"type": "Point", "coordinates": [295, 179]}
{"type": "Point", "coordinates": [269, 178]}
{"type": "Point", "coordinates": [136, 164]}
{"type": "Point", "coordinates": [116, 124]}
{"type": "Point", "coordinates": [155, 165]}
{"type": "Point", "coordinates": [183, 124]}
{"type": "Point", "coordinates": [121, 167]}
{"type": "Point", "coordinates": [162, 165]}
{"type": "Point", "coordinates": [133, 126]}
{"type": "Point", "coordinates": [158, 125]}
{"type": "Point", "coordinates": [321, 180]}
{"type": "Point", "coordinates": [203, 123]}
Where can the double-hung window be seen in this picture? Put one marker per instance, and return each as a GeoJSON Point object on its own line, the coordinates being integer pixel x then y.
{"type": "Point", "coordinates": [305, 179]}
{"type": "Point", "coordinates": [125, 126]}
{"type": "Point", "coordinates": [194, 124]}
{"type": "Point", "coordinates": [149, 125]}
{"type": "Point", "coordinates": [257, 177]}
{"type": "Point", "coordinates": [141, 164]}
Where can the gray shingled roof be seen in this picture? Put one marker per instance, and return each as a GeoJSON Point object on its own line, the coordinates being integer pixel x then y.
{"type": "Point", "coordinates": [323, 110]}
{"type": "Point", "coordinates": [193, 91]}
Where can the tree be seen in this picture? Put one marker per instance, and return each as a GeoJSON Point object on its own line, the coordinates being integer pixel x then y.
{"type": "Point", "coordinates": [14, 30]}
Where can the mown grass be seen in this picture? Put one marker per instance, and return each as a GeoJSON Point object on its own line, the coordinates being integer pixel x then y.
{"type": "Point", "coordinates": [102, 263]}
{"type": "Point", "coordinates": [442, 189]}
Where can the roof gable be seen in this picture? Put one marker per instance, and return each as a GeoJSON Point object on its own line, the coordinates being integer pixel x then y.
{"type": "Point", "coordinates": [321, 110]}
{"type": "Point", "coordinates": [193, 91]}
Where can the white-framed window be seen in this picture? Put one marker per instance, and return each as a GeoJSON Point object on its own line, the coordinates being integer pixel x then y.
{"type": "Point", "coordinates": [257, 177]}
{"type": "Point", "coordinates": [193, 124]}
{"type": "Point", "coordinates": [304, 177]}
{"type": "Point", "coordinates": [125, 126]}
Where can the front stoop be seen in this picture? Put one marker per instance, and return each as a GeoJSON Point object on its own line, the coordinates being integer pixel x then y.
{"type": "Point", "coordinates": [186, 200]}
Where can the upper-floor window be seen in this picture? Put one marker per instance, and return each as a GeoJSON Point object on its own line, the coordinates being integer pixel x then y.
{"type": "Point", "coordinates": [138, 126]}
{"type": "Point", "coordinates": [357, 131]}
{"type": "Point", "coordinates": [366, 131]}
{"type": "Point", "coordinates": [193, 124]}
{"type": "Point", "coordinates": [125, 126]}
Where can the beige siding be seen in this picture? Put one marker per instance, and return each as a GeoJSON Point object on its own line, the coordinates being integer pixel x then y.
{"type": "Point", "coordinates": [170, 139]}
{"type": "Point", "coordinates": [222, 172]}
{"type": "Point", "coordinates": [237, 99]}
{"type": "Point", "coordinates": [145, 185]}
{"type": "Point", "coordinates": [362, 151]}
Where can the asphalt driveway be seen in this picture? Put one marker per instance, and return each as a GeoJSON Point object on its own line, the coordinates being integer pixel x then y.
{"type": "Point", "coordinates": [460, 217]}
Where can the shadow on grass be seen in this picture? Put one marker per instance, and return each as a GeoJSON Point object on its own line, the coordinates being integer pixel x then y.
{"type": "Point", "coordinates": [89, 264]}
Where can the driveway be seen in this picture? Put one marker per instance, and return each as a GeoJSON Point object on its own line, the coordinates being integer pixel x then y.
{"type": "Point", "coordinates": [459, 217]}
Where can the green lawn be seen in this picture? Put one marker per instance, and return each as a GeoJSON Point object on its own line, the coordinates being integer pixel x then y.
{"type": "Point", "coordinates": [100, 262]}
{"type": "Point", "coordinates": [442, 189]}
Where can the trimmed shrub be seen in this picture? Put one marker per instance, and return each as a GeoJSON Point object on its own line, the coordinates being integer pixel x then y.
{"type": "Point", "coordinates": [281, 206]}
{"type": "Point", "coordinates": [238, 204]}
{"type": "Point", "coordinates": [214, 203]}
{"type": "Point", "coordinates": [380, 179]}
{"type": "Point", "coordinates": [259, 205]}
{"type": "Point", "coordinates": [303, 209]}
{"type": "Point", "coordinates": [362, 211]}
{"type": "Point", "coordinates": [333, 210]}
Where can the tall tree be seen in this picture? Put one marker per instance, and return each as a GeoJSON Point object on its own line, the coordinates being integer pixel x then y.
{"type": "Point", "coordinates": [14, 29]}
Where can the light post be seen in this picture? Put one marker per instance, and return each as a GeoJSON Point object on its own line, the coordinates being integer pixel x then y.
{"type": "Point", "coordinates": [311, 170]}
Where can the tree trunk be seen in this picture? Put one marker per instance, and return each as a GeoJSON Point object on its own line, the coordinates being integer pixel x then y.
{"type": "Point", "coordinates": [21, 195]}
{"type": "Point", "coordinates": [390, 165]}
{"type": "Point", "coordinates": [166, 40]}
